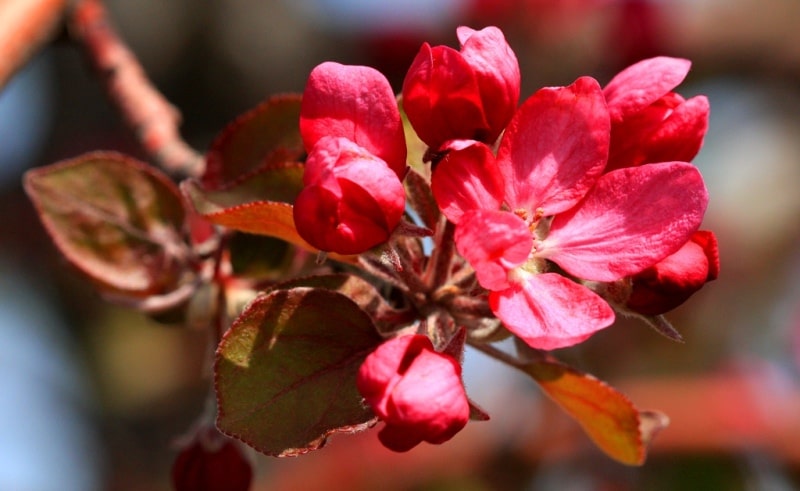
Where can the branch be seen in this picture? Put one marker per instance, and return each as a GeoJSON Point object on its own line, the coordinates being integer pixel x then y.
{"type": "Point", "coordinates": [25, 26]}
{"type": "Point", "coordinates": [154, 120]}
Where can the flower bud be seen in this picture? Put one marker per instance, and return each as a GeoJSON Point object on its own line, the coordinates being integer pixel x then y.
{"type": "Point", "coordinates": [649, 122]}
{"type": "Point", "coordinates": [670, 282]}
{"type": "Point", "coordinates": [416, 391]}
{"type": "Point", "coordinates": [211, 462]}
{"type": "Point", "coordinates": [469, 94]}
{"type": "Point", "coordinates": [352, 200]}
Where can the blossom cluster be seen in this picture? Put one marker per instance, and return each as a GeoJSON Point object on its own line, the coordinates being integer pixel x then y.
{"type": "Point", "coordinates": [573, 205]}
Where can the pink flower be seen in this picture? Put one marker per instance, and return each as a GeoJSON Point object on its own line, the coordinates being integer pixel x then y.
{"type": "Point", "coordinates": [350, 124]}
{"type": "Point", "coordinates": [416, 391]}
{"type": "Point", "coordinates": [649, 123]}
{"type": "Point", "coordinates": [351, 201]}
{"type": "Point", "coordinates": [671, 281]}
{"type": "Point", "coordinates": [467, 94]}
{"type": "Point", "coordinates": [545, 200]}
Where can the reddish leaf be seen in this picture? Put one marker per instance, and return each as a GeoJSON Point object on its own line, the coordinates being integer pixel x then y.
{"type": "Point", "coordinates": [286, 370]}
{"type": "Point", "coordinates": [266, 134]}
{"type": "Point", "coordinates": [607, 416]}
{"type": "Point", "coordinates": [116, 219]}
{"type": "Point", "coordinates": [259, 204]}
{"type": "Point", "coordinates": [360, 291]}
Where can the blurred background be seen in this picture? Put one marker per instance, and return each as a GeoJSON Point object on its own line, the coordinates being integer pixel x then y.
{"type": "Point", "coordinates": [92, 396]}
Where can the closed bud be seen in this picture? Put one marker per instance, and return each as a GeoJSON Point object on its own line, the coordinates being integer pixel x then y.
{"type": "Point", "coordinates": [468, 94]}
{"type": "Point", "coordinates": [211, 462]}
{"type": "Point", "coordinates": [352, 200]}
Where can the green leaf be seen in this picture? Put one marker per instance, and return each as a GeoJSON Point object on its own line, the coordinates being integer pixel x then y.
{"type": "Point", "coordinates": [285, 371]}
{"type": "Point", "coordinates": [267, 134]}
{"type": "Point", "coordinates": [116, 219]}
{"type": "Point", "coordinates": [607, 416]}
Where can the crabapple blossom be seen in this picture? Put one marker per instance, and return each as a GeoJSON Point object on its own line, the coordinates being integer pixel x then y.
{"type": "Point", "coordinates": [350, 125]}
{"type": "Point", "coordinates": [649, 122]}
{"type": "Point", "coordinates": [671, 281]}
{"type": "Point", "coordinates": [553, 204]}
{"type": "Point", "coordinates": [466, 94]}
{"type": "Point", "coordinates": [416, 391]}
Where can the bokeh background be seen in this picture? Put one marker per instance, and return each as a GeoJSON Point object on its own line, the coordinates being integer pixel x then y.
{"type": "Point", "coordinates": [92, 396]}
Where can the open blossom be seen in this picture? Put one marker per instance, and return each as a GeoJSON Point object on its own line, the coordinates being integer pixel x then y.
{"type": "Point", "coordinates": [351, 128]}
{"type": "Point", "coordinates": [649, 122]}
{"type": "Point", "coordinates": [466, 94]}
{"type": "Point", "coordinates": [545, 199]}
{"type": "Point", "coordinates": [671, 281]}
{"type": "Point", "coordinates": [416, 391]}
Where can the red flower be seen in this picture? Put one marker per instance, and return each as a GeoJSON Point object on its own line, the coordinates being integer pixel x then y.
{"type": "Point", "coordinates": [353, 196]}
{"type": "Point", "coordinates": [351, 201]}
{"type": "Point", "coordinates": [671, 281]}
{"type": "Point", "coordinates": [544, 199]}
{"type": "Point", "coordinates": [467, 94]}
{"type": "Point", "coordinates": [211, 462]}
{"type": "Point", "coordinates": [649, 123]}
{"type": "Point", "coordinates": [416, 391]}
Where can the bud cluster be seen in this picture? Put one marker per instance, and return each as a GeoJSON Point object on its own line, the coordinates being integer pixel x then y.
{"type": "Point", "coordinates": [555, 213]}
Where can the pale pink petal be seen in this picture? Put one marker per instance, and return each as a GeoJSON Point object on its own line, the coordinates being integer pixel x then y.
{"type": "Point", "coordinates": [555, 147]}
{"type": "Point", "coordinates": [633, 218]}
{"type": "Point", "coordinates": [643, 83]}
{"type": "Point", "coordinates": [357, 103]}
{"type": "Point", "coordinates": [467, 179]}
{"type": "Point", "coordinates": [494, 242]}
{"type": "Point", "coordinates": [549, 311]}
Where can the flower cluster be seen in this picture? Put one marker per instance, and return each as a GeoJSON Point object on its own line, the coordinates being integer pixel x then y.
{"type": "Point", "coordinates": [574, 204]}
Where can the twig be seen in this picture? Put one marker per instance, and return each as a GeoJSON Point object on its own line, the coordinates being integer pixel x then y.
{"type": "Point", "coordinates": [25, 26]}
{"type": "Point", "coordinates": [154, 120]}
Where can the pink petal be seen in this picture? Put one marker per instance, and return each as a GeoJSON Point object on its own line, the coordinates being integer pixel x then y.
{"type": "Point", "coordinates": [430, 399]}
{"type": "Point", "coordinates": [352, 201]}
{"type": "Point", "coordinates": [467, 179]}
{"type": "Point", "coordinates": [383, 368]}
{"type": "Point", "coordinates": [497, 72]}
{"type": "Point", "coordinates": [633, 218]}
{"type": "Point", "coordinates": [441, 97]}
{"type": "Point", "coordinates": [494, 242]}
{"type": "Point", "coordinates": [549, 311]}
{"type": "Point", "coordinates": [555, 147]}
{"type": "Point", "coordinates": [357, 103]}
{"type": "Point", "coordinates": [643, 83]}
{"type": "Point", "coordinates": [671, 281]}
{"type": "Point", "coordinates": [681, 135]}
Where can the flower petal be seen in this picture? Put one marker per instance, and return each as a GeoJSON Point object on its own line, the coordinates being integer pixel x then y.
{"type": "Point", "coordinates": [441, 97]}
{"type": "Point", "coordinates": [549, 311]}
{"type": "Point", "coordinates": [357, 103]}
{"type": "Point", "coordinates": [632, 218]}
{"type": "Point", "coordinates": [467, 179]}
{"type": "Point", "coordinates": [430, 399]}
{"type": "Point", "coordinates": [643, 83]}
{"type": "Point", "coordinates": [497, 72]}
{"type": "Point", "coordinates": [671, 281]}
{"type": "Point", "coordinates": [555, 147]}
{"type": "Point", "coordinates": [494, 242]}
{"type": "Point", "coordinates": [352, 201]}
{"type": "Point", "coordinates": [680, 136]}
